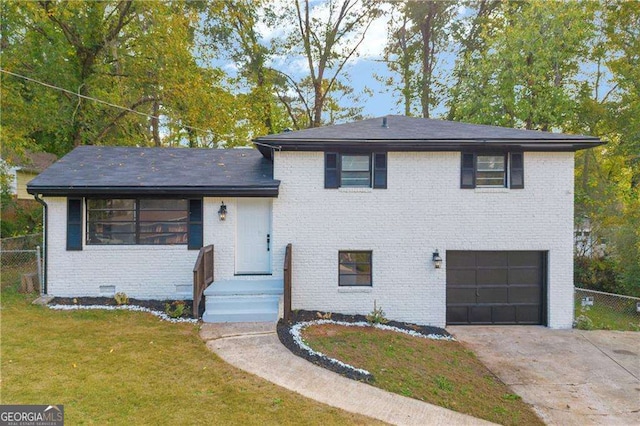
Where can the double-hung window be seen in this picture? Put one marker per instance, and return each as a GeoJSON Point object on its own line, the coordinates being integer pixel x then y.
{"type": "Point", "coordinates": [492, 170]}
{"type": "Point", "coordinates": [355, 170]}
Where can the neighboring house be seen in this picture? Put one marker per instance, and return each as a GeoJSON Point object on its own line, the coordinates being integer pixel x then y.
{"type": "Point", "coordinates": [586, 243]}
{"type": "Point", "coordinates": [369, 207]}
{"type": "Point", "coordinates": [23, 170]}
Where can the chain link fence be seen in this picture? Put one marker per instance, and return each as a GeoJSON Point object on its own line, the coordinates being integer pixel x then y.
{"type": "Point", "coordinates": [21, 263]}
{"type": "Point", "coordinates": [600, 310]}
{"type": "Point", "coordinates": [23, 242]}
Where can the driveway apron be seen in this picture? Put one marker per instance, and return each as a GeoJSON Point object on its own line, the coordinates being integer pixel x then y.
{"type": "Point", "coordinates": [571, 377]}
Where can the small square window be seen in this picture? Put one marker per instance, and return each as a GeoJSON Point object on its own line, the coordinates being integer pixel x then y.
{"type": "Point", "coordinates": [354, 268]}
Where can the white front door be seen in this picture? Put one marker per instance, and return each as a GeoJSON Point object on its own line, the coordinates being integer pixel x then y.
{"type": "Point", "coordinates": [253, 236]}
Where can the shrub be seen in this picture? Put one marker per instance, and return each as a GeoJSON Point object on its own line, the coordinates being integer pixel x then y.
{"type": "Point", "coordinates": [121, 298]}
{"type": "Point", "coordinates": [583, 322]}
{"type": "Point", "coordinates": [377, 316]}
{"type": "Point", "coordinates": [175, 309]}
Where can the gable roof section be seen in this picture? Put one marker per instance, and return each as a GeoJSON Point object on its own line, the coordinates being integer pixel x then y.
{"type": "Point", "coordinates": [421, 134]}
{"type": "Point", "coordinates": [32, 162]}
{"type": "Point", "coordinates": [94, 170]}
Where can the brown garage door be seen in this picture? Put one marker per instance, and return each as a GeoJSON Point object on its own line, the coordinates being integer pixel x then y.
{"type": "Point", "coordinates": [495, 287]}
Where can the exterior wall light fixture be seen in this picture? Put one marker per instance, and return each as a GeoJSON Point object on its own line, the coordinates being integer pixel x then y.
{"type": "Point", "coordinates": [437, 260]}
{"type": "Point", "coordinates": [222, 213]}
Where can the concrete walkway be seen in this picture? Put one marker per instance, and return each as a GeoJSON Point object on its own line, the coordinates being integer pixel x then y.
{"type": "Point", "coordinates": [255, 348]}
{"type": "Point", "coordinates": [571, 377]}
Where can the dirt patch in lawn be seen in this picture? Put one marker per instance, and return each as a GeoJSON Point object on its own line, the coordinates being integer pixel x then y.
{"type": "Point", "coordinates": [436, 371]}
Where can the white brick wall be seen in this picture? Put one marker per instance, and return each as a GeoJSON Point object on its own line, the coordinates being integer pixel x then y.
{"type": "Point", "coordinates": [142, 272]}
{"type": "Point", "coordinates": [422, 209]}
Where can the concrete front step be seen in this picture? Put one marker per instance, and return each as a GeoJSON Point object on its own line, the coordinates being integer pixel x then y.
{"type": "Point", "coordinates": [240, 316]}
{"type": "Point", "coordinates": [252, 302]}
{"type": "Point", "coordinates": [245, 286]}
{"type": "Point", "coordinates": [243, 300]}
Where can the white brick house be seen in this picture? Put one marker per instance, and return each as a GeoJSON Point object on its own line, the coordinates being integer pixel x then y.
{"type": "Point", "coordinates": [367, 206]}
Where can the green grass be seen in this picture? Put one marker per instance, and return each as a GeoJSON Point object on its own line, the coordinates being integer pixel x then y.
{"type": "Point", "coordinates": [120, 367]}
{"type": "Point", "coordinates": [605, 317]}
{"type": "Point", "coordinates": [439, 372]}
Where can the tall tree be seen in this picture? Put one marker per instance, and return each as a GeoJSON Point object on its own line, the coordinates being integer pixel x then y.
{"type": "Point", "coordinates": [137, 55]}
{"type": "Point", "coordinates": [326, 37]}
{"type": "Point", "coordinates": [467, 35]}
{"type": "Point", "coordinates": [418, 33]}
{"type": "Point", "coordinates": [233, 26]}
{"type": "Point", "coordinates": [607, 179]}
{"type": "Point", "coordinates": [527, 68]}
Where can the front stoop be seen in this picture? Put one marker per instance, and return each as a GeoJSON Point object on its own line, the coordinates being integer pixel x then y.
{"type": "Point", "coordinates": [240, 300]}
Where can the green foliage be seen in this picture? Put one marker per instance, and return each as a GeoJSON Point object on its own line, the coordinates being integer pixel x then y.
{"type": "Point", "coordinates": [377, 316]}
{"type": "Point", "coordinates": [443, 384]}
{"type": "Point", "coordinates": [583, 322]}
{"type": "Point", "coordinates": [175, 309]}
{"type": "Point", "coordinates": [597, 273]}
{"type": "Point", "coordinates": [138, 55]}
{"type": "Point", "coordinates": [326, 46]}
{"type": "Point", "coordinates": [607, 314]}
{"type": "Point", "coordinates": [528, 64]}
{"type": "Point", "coordinates": [418, 32]}
{"type": "Point", "coordinates": [511, 397]}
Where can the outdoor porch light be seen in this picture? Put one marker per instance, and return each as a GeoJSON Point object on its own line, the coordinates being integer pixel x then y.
{"type": "Point", "coordinates": [222, 213]}
{"type": "Point", "coordinates": [437, 260]}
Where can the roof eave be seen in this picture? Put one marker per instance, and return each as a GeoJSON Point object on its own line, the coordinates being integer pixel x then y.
{"type": "Point", "coordinates": [550, 145]}
{"type": "Point", "coordinates": [270, 190]}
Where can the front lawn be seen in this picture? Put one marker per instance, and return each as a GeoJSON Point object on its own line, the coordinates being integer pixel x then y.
{"type": "Point", "coordinates": [131, 368]}
{"type": "Point", "coordinates": [436, 371]}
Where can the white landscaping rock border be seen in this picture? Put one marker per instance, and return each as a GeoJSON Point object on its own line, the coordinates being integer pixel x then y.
{"type": "Point", "coordinates": [135, 308]}
{"type": "Point", "coordinates": [296, 332]}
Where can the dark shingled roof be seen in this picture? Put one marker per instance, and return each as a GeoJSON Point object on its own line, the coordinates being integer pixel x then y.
{"type": "Point", "coordinates": [422, 134]}
{"type": "Point", "coordinates": [33, 162]}
{"type": "Point", "coordinates": [101, 170]}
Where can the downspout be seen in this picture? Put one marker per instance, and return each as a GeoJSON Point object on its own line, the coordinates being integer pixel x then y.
{"type": "Point", "coordinates": [45, 250]}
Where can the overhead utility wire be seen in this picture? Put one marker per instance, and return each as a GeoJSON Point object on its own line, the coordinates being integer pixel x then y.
{"type": "Point", "coordinates": [107, 103]}
{"type": "Point", "coordinates": [51, 86]}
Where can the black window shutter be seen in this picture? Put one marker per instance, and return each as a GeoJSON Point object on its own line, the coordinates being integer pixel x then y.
{"type": "Point", "coordinates": [331, 167]}
{"type": "Point", "coordinates": [517, 170]}
{"type": "Point", "coordinates": [195, 224]}
{"type": "Point", "coordinates": [380, 170]}
{"type": "Point", "coordinates": [74, 224]}
{"type": "Point", "coordinates": [467, 170]}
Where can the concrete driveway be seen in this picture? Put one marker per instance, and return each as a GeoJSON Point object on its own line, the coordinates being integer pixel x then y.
{"type": "Point", "coordinates": [571, 377]}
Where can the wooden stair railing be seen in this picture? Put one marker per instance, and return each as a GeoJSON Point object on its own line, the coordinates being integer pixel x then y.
{"type": "Point", "coordinates": [287, 283]}
{"type": "Point", "coordinates": [202, 276]}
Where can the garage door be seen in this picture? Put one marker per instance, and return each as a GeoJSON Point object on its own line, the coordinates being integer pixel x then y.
{"type": "Point", "coordinates": [495, 287]}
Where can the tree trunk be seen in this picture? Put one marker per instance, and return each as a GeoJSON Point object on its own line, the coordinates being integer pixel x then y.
{"type": "Point", "coordinates": [155, 123]}
{"type": "Point", "coordinates": [426, 30]}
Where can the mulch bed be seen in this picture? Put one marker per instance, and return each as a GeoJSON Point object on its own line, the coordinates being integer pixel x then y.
{"type": "Point", "coordinates": [284, 334]}
{"type": "Point", "coordinates": [156, 305]}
